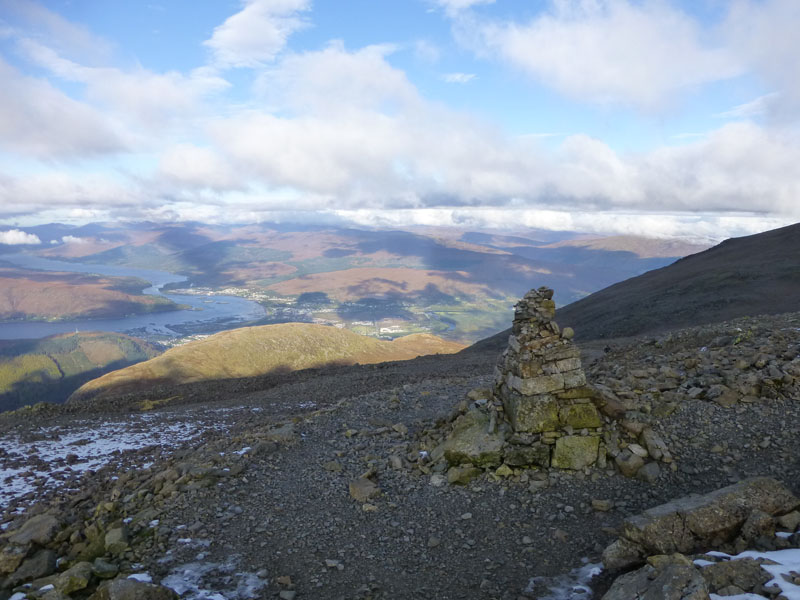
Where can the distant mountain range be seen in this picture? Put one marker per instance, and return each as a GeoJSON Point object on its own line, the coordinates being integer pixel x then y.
{"type": "Point", "coordinates": [455, 283]}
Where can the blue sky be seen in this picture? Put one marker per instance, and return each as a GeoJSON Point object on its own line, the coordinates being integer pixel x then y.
{"type": "Point", "coordinates": [615, 116]}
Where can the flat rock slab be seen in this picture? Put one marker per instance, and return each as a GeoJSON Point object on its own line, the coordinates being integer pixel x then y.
{"type": "Point", "coordinates": [695, 523]}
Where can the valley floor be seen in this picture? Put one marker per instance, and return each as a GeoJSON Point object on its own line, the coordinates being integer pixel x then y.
{"type": "Point", "coordinates": [255, 500]}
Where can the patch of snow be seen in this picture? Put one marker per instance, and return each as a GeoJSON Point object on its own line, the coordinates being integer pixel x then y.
{"type": "Point", "coordinates": [40, 458]}
{"type": "Point", "coordinates": [143, 577]}
{"type": "Point", "coordinates": [17, 596]}
{"type": "Point", "coordinates": [243, 450]}
{"type": "Point", "coordinates": [785, 561]}
{"type": "Point", "coordinates": [47, 587]}
{"type": "Point", "coordinates": [704, 563]}
{"type": "Point", "coordinates": [153, 523]}
{"type": "Point", "coordinates": [213, 581]}
{"type": "Point", "coordinates": [572, 586]}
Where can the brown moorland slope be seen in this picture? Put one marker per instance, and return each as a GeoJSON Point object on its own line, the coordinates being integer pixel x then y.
{"type": "Point", "coordinates": [50, 295]}
{"type": "Point", "coordinates": [752, 275]}
{"type": "Point", "coordinates": [253, 351]}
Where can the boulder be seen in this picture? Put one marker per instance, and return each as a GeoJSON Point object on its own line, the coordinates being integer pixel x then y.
{"type": "Point", "coordinates": [103, 569]}
{"type": "Point", "coordinates": [628, 463]}
{"type": "Point", "coordinates": [130, 589]}
{"type": "Point", "coordinates": [462, 475]}
{"type": "Point", "coordinates": [77, 577]}
{"type": "Point", "coordinates": [41, 564]}
{"type": "Point", "coordinates": [622, 554]}
{"type": "Point", "coordinates": [11, 557]}
{"type": "Point", "coordinates": [116, 540]}
{"type": "Point", "coordinates": [532, 414]}
{"type": "Point", "coordinates": [575, 452]}
{"type": "Point", "coordinates": [579, 416]}
{"type": "Point", "coordinates": [363, 489]}
{"type": "Point", "coordinates": [744, 573]}
{"type": "Point", "coordinates": [672, 579]}
{"type": "Point", "coordinates": [696, 523]}
{"type": "Point", "coordinates": [537, 455]}
{"type": "Point", "coordinates": [470, 442]}
{"type": "Point", "coordinates": [40, 529]}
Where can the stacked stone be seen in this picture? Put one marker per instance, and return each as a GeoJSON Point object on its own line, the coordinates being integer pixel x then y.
{"type": "Point", "coordinates": [542, 387]}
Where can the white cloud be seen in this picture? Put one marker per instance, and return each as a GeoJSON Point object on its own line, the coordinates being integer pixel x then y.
{"type": "Point", "coordinates": [764, 36]}
{"type": "Point", "coordinates": [458, 77]}
{"type": "Point", "coordinates": [334, 80]}
{"type": "Point", "coordinates": [257, 33]}
{"type": "Point", "coordinates": [427, 51]}
{"type": "Point", "coordinates": [39, 120]}
{"type": "Point", "coordinates": [197, 167]}
{"type": "Point", "coordinates": [700, 227]}
{"type": "Point", "coordinates": [456, 6]}
{"type": "Point", "coordinates": [71, 239]}
{"type": "Point", "coordinates": [16, 237]}
{"type": "Point", "coordinates": [82, 192]}
{"type": "Point", "coordinates": [754, 108]}
{"type": "Point", "coordinates": [607, 51]}
{"type": "Point", "coordinates": [151, 99]}
{"type": "Point", "coordinates": [363, 137]}
{"type": "Point", "coordinates": [69, 38]}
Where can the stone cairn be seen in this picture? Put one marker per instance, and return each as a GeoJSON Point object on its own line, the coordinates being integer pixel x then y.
{"type": "Point", "coordinates": [540, 412]}
{"type": "Point", "coordinates": [543, 391]}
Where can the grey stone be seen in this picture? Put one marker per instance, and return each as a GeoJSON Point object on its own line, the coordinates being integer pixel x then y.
{"type": "Point", "coordinates": [575, 452]}
{"type": "Point", "coordinates": [689, 524]}
{"type": "Point", "coordinates": [673, 581]}
{"type": "Point", "coordinates": [649, 472]}
{"type": "Point", "coordinates": [656, 446]}
{"type": "Point", "coordinates": [11, 557]}
{"type": "Point", "coordinates": [283, 434]}
{"type": "Point", "coordinates": [116, 540]}
{"type": "Point", "coordinates": [744, 573]}
{"type": "Point", "coordinates": [790, 521]}
{"type": "Point", "coordinates": [471, 442]}
{"type": "Point", "coordinates": [104, 569]}
{"type": "Point", "coordinates": [77, 577]}
{"type": "Point", "coordinates": [130, 589]}
{"type": "Point", "coordinates": [622, 554]}
{"type": "Point", "coordinates": [41, 564]}
{"type": "Point", "coordinates": [533, 455]}
{"type": "Point", "coordinates": [532, 414]}
{"type": "Point", "coordinates": [628, 463]}
{"type": "Point", "coordinates": [40, 529]}
{"type": "Point", "coordinates": [363, 489]}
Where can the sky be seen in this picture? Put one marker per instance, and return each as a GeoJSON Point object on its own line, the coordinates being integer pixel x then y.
{"type": "Point", "coordinates": [655, 117]}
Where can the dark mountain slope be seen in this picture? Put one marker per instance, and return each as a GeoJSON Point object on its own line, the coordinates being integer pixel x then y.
{"type": "Point", "coordinates": [757, 274]}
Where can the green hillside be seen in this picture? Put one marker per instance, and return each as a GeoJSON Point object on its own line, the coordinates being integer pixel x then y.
{"type": "Point", "coordinates": [50, 369]}
{"type": "Point", "coordinates": [254, 351]}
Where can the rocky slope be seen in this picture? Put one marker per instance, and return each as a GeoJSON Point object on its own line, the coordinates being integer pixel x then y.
{"type": "Point", "coordinates": [253, 351]}
{"type": "Point", "coordinates": [324, 486]}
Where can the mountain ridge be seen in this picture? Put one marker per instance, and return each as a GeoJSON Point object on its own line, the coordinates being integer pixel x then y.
{"type": "Point", "coordinates": [260, 350]}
